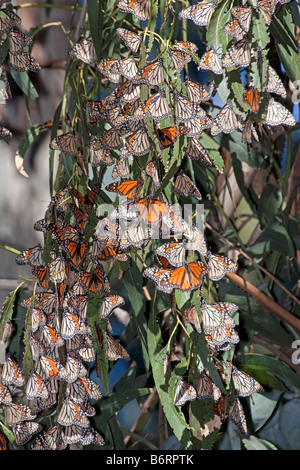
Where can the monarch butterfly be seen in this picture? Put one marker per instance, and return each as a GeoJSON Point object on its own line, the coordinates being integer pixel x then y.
{"type": "Point", "coordinates": [41, 225]}
{"type": "Point", "coordinates": [179, 58]}
{"type": "Point", "coordinates": [23, 61]}
{"type": "Point", "coordinates": [252, 98]}
{"type": "Point", "coordinates": [206, 388]}
{"type": "Point", "coordinates": [47, 301]}
{"type": "Point", "coordinates": [156, 107]}
{"type": "Point", "coordinates": [5, 396]}
{"type": "Point", "coordinates": [184, 392]}
{"type": "Point", "coordinates": [109, 304]}
{"type": "Point", "coordinates": [76, 251]}
{"type": "Point", "coordinates": [174, 252]}
{"type": "Point", "coordinates": [114, 350]}
{"type": "Point", "coordinates": [222, 335]}
{"type": "Point", "coordinates": [195, 239]}
{"type": "Point", "coordinates": [15, 413]}
{"type": "Point", "coordinates": [139, 144]}
{"type": "Point", "coordinates": [81, 220]}
{"type": "Point", "coordinates": [128, 92]}
{"type": "Point", "coordinates": [234, 28]}
{"type": "Point", "coordinates": [198, 124]}
{"type": "Point", "coordinates": [267, 9]}
{"type": "Point", "coordinates": [196, 151]}
{"type": "Point", "coordinates": [110, 68]}
{"type": "Point", "coordinates": [42, 273]}
{"type": "Point", "coordinates": [185, 187]}
{"type": "Point", "coordinates": [198, 93]}
{"type": "Point", "coordinates": [103, 251]}
{"type": "Point", "coordinates": [186, 45]}
{"type": "Point", "coordinates": [77, 303]}
{"type": "Point", "coordinates": [217, 315]}
{"type": "Point", "coordinates": [32, 256]}
{"type": "Point", "coordinates": [38, 318]}
{"type": "Point", "coordinates": [5, 134]}
{"type": "Point", "coordinates": [70, 413]}
{"type": "Point", "coordinates": [245, 385]}
{"type": "Point", "coordinates": [75, 434]}
{"type": "Point", "coordinates": [238, 55]}
{"type": "Point", "coordinates": [94, 282]}
{"type": "Point", "coordinates": [185, 278]}
{"type": "Point", "coordinates": [277, 114]}
{"type": "Point", "coordinates": [184, 109]}
{"type": "Point", "coordinates": [121, 169]}
{"type": "Point", "coordinates": [66, 143]}
{"type": "Point", "coordinates": [152, 74]}
{"type": "Point", "coordinates": [85, 51]}
{"type": "Point", "coordinates": [218, 266]}
{"type": "Point", "coordinates": [128, 68]}
{"type": "Point", "coordinates": [3, 445]}
{"type": "Point", "coordinates": [88, 200]}
{"type": "Point", "coordinates": [139, 8]}
{"type": "Point", "coordinates": [130, 39]}
{"type": "Point", "coordinates": [72, 370]}
{"type": "Point", "coordinates": [137, 234]}
{"type": "Point", "coordinates": [168, 135]}
{"type": "Point", "coordinates": [82, 389]}
{"type": "Point", "coordinates": [51, 337]}
{"type": "Point", "coordinates": [249, 131]}
{"type": "Point", "coordinates": [111, 139]}
{"type": "Point", "coordinates": [37, 348]}
{"type": "Point", "coordinates": [191, 316]}
{"type": "Point", "coordinates": [151, 210]}
{"type": "Point", "coordinates": [17, 40]}
{"type": "Point", "coordinates": [36, 387]}
{"type": "Point", "coordinates": [237, 416]}
{"type": "Point", "coordinates": [58, 269]}
{"type": "Point", "coordinates": [100, 156]}
{"type": "Point", "coordinates": [226, 121]}
{"type": "Point", "coordinates": [53, 439]}
{"type": "Point", "coordinates": [23, 432]}
{"type": "Point", "coordinates": [151, 170]}
{"type": "Point", "coordinates": [211, 61]}
{"type": "Point", "coordinates": [71, 325]}
{"type": "Point", "coordinates": [274, 84]}
{"type": "Point", "coordinates": [200, 13]}
{"type": "Point", "coordinates": [5, 25]}
{"type": "Point", "coordinates": [49, 367]}
{"type": "Point", "coordinates": [98, 110]}
{"type": "Point", "coordinates": [243, 15]}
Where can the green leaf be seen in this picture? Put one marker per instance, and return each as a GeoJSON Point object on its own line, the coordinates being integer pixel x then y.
{"type": "Point", "coordinates": [94, 9]}
{"type": "Point", "coordinates": [278, 238]}
{"type": "Point", "coordinates": [264, 368]}
{"type": "Point", "coordinates": [30, 136]}
{"type": "Point", "coordinates": [255, 443]}
{"type": "Point", "coordinates": [162, 383]}
{"type": "Point", "coordinates": [262, 406]}
{"type": "Point", "coordinates": [216, 36]}
{"type": "Point", "coordinates": [286, 47]}
{"type": "Point", "coordinates": [22, 79]}
{"type": "Point", "coordinates": [133, 282]}
{"type": "Point", "coordinates": [269, 203]}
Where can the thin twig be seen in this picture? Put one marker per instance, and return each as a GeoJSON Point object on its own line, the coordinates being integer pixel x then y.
{"type": "Point", "coordinates": [261, 268]}
{"type": "Point", "coordinates": [265, 301]}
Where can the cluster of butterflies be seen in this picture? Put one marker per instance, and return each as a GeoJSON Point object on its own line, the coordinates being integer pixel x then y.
{"type": "Point", "coordinates": [239, 56]}
{"type": "Point", "coordinates": [20, 60]}
{"type": "Point", "coordinates": [240, 383]}
{"type": "Point", "coordinates": [58, 317]}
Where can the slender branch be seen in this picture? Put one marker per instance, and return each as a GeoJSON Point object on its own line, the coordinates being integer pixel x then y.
{"type": "Point", "coordinates": [143, 417]}
{"type": "Point", "coordinates": [261, 268]}
{"type": "Point", "coordinates": [265, 301]}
